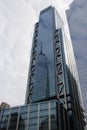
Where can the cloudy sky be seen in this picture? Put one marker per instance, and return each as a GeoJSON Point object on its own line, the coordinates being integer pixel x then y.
{"type": "Point", "coordinates": [17, 18]}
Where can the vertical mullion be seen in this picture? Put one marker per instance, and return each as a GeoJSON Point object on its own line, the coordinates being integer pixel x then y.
{"type": "Point", "coordinates": [28, 117]}
{"type": "Point", "coordinates": [8, 119]}
{"type": "Point", "coordinates": [38, 116]}
{"type": "Point", "coordinates": [18, 119]}
{"type": "Point", "coordinates": [49, 118]}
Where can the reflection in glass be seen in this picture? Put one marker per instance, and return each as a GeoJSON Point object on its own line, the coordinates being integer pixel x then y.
{"type": "Point", "coordinates": [13, 121]}
{"type": "Point", "coordinates": [22, 122]}
{"type": "Point", "coordinates": [4, 122]}
{"type": "Point", "coordinates": [44, 123]}
{"type": "Point", "coordinates": [32, 127]}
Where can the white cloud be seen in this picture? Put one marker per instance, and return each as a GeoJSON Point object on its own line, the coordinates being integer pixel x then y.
{"type": "Point", "coordinates": [17, 20]}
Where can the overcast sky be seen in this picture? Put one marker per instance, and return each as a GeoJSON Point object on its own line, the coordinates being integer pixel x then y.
{"type": "Point", "coordinates": [17, 18]}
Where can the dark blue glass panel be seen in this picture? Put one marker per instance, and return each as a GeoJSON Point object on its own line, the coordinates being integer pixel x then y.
{"type": "Point", "coordinates": [24, 115]}
{"type": "Point", "coordinates": [5, 112]}
{"type": "Point", "coordinates": [53, 105]}
{"type": "Point", "coordinates": [32, 127]}
{"type": "Point", "coordinates": [24, 109]}
{"type": "Point", "coordinates": [13, 118]}
{"type": "Point", "coordinates": [3, 126]}
{"type": "Point", "coordinates": [33, 114]}
{"type": "Point", "coordinates": [44, 123]}
{"type": "Point", "coordinates": [53, 112]}
{"type": "Point", "coordinates": [44, 78]}
{"type": "Point", "coordinates": [13, 110]}
{"type": "Point", "coordinates": [44, 106]}
{"type": "Point", "coordinates": [33, 107]}
{"type": "Point", "coordinates": [4, 119]}
{"type": "Point", "coordinates": [33, 121]}
{"type": "Point", "coordinates": [44, 113]}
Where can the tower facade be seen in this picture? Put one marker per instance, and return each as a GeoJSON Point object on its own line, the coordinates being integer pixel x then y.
{"type": "Point", "coordinates": [53, 74]}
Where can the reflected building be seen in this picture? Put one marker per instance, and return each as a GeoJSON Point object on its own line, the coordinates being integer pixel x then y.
{"type": "Point", "coordinates": [53, 97]}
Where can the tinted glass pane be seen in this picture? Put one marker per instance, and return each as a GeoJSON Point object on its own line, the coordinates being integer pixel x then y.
{"type": "Point", "coordinates": [4, 118]}
{"type": "Point", "coordinates": [52, 104]}
{"type": "Point", "coordinates": [44, 123]}
{"type": "Point", "coordinates": [44, 78]}
{"type": "Point", "coordinates": [6, 112]}
{"type": "Point", "coordinates": [33, 121]}
{"type": "Point", "coordinates": [53, 111]}
{"type": "Point", "coordinates": [44, 106]}
{"type": "Point", "coordinates": [33, 114]}
{"type": "Point", "coordinates": [44, 119]}
{"type": "Point", "coordinates": [24, 109]}
{"type": "Point", "coordinates": [44, 113]}
{"type": "Point", "coordinates": [34, 108]}
{"type": "Point", "coordinates": [33, 127]}
{"type": "Point", "coordinates": [44, 126]}
{"type": "Point", "coordinates": [22, 124]}
{"type": "Point", "coordinates": [3, 126]}
{"type": "Point", "coordinates": [23, 115]}
{"type": "Point", "coordinates": [13, 118]}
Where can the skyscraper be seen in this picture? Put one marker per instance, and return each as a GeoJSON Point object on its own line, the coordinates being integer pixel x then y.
{"type": "Point", "coordinates": [53, 73]}
{"type": "Point", "coordinates": [79, 42]}
{"type": "Point", "coordinates": [53, 97]}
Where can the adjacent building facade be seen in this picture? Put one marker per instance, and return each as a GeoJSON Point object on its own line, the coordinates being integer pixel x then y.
{"type": "Point", "coordinates": [36, 116]}
{"type": "Point", "coordinates": [53, 87]}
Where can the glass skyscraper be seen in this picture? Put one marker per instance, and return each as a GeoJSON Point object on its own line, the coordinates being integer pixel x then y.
{"type": "Point", "coordinates": [53, 97]}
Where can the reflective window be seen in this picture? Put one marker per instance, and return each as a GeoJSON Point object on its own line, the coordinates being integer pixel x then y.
{"type": "Point", "coordinates": [13, 119]}
{"type": "Point", "coordinates": [52, 104]}
{"type": "Point", "coordinates": [24, 109]}
{"type": "Point", "coordinates": [6, 111]}
{"type": "Point", "coordinates": [38, 117]}
{"type": "Point", "coordinates": [44, 78]}
{"type": "Point", "coordinates": [33, 114]}
{"type": "Point", "coordinates": [32, 127]}
{"type": "Point", "coordinates": [34, 107]}
{"type": "Point", "coordinates": [24, 115]}
{"type": "Point", "coordinates": [4, 119]}
{"type": "Point", "coordinates": [13, 110]}
{"type": "Point", "coordinates": [44, 106]}
{"type": "Point", "coordinates": [44, 113]}
{"type": "Point", "coordinates": [44, 123]}
{"type": "Point", "coordinates": [33, 121]}
{"type": "Point", "coordinates": [3, 125]}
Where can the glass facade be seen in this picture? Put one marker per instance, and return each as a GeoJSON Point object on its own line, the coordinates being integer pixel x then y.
{"type": "Point", "coordinates": [44, 74]}
{"type": "Point", "coordinates": [40, 90]}
{"type": "Point", "coordinates": [45, 36]}
{"type": "Point", "coordinates": [53, 73]}
{"type": "Point", "coordinates": [53, 94]}
{"type": "Point", "coordinates": [37, 116]}
{"type": "Point", "coordinates": [47, 68]}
